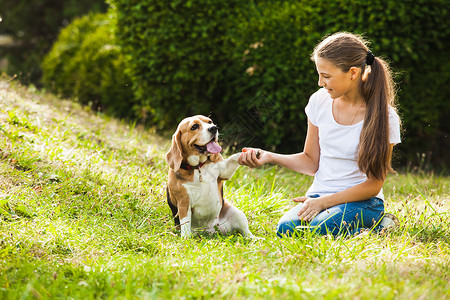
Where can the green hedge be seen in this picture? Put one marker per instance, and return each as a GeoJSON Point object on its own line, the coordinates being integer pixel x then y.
{"type": "Point", "coordinates": [180, 54]}
{"type": "Point", "coordinates": [248, 62]}
{"type": "Point", "coordinates": [86, 63]}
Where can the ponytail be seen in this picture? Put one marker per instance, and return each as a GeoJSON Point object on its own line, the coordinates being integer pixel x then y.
{"type": "Point", "coordinates": [375, 151]}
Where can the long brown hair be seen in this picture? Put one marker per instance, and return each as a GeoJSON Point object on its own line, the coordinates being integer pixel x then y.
{"type": "Point", "coordinates": [346, 50]}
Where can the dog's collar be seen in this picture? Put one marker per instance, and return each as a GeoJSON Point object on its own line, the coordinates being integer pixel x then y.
{"type": "Point", "coordinates": [188, 167]}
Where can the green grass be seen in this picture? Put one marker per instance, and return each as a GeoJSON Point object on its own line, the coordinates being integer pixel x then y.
{"type": "Point", "coordinates": [83, 215]}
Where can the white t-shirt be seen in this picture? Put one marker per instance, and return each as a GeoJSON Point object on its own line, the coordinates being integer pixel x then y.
{"type": "Point", "coordinates": [338, 166]}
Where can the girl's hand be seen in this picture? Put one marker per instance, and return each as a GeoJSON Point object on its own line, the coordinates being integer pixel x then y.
{"type": "Point", "coordinates": [311, 208]}
{"type": "Point", "coordinates": [253, 157]}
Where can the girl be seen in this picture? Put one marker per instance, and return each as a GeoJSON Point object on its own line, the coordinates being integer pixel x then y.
{"type": "Point", "coordinates": [352, 128]}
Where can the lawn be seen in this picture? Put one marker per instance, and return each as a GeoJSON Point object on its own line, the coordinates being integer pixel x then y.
{"type": "Point", "coordinates": [83, 215]}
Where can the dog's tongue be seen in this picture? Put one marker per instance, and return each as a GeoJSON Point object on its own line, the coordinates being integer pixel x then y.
{"type": "Point", "coordinates": [213, 147]}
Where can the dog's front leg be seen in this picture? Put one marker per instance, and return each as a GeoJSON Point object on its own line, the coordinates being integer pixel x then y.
{"type": "Point", "coordinates": [229, 166]}
{"type": "Point", "coordinates": [185, 221]}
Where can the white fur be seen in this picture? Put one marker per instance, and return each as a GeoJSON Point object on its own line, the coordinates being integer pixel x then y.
{"type": "Point", "coordinates": [186, 226]}
{"type": "Point", "coordinates": [195, 160]}
{"type": "Point", "coordinates": [205, 202]}
{"type": "Point", "coordinates": [206, 134]}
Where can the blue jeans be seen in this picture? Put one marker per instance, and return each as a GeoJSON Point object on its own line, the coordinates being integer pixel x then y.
{"type": "Point", "coordinates": [342, 219]}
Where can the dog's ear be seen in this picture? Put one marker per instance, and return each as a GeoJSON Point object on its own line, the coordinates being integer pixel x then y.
{"type": "Point", "coordinates": [174, 156]}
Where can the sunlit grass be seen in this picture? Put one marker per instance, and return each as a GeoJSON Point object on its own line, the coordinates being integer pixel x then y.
{"type": "Point", "coordinates": [83, 214]}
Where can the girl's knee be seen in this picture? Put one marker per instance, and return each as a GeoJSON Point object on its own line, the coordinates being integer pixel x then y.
{"type": "Point", "coordinates": [288, 222]}
{"type": "Point", "coordinates": [285, 228]}
{"type": "Point", "coordinates": [325, 227]}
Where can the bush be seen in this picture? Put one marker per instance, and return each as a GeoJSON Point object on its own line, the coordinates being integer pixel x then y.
{"type": "Point", "coordinates": [249, 63]}
{"type": "Point", "coordinates": [86, 63]}
{"type": "Point", "coordinates": [33, 26]}
{"type": "Point", "coordinates": [180, 54]}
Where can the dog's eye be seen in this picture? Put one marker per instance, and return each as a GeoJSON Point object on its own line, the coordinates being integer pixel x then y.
{"type": "Point", "coordinates": [195, 127]}
{"type": "Point", "coordinates": [209, 122]}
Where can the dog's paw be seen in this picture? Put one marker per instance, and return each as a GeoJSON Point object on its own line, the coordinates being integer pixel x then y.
{"type": "Point", "coordinates": [185, 228]}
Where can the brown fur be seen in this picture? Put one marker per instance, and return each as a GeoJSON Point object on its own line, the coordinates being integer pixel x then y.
{"type": "Point", "coordinates": [183, 144]}
{"type": "Point", "coordinates": [182, 147]}
{"type": "Point", "coordinates": [197, 174]}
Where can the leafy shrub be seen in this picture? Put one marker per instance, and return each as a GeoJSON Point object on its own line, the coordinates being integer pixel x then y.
{"type": "Point", "coordinates": [33, 26]}
{"type": "Point", "coordinates": [180, 54]}
{"type": "Point", "coordinates": [57, 73]}
{"type": "Point", "coordinates": [86, 63]}
{"type": "Point", "coordinates": [249, 63]}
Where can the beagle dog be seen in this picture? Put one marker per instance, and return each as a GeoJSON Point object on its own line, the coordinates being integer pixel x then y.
{"type": "Point", "coordinates": [196, 177]}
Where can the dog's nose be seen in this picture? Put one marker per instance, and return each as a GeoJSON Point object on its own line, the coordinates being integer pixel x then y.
{"type": "Point", "coordinates": [213, 129]}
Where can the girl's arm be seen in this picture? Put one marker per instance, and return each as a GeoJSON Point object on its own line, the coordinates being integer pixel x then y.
{"type": "Point", "coordinates": [363, 191]}
{"type": "Point", "coordinates": [306, 162]}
